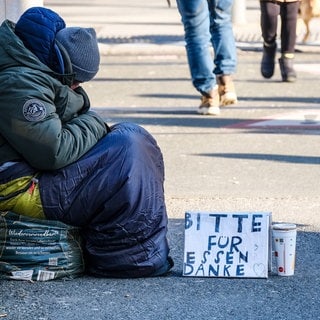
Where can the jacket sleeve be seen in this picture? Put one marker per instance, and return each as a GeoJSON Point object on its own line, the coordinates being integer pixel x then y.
{"type": "Point", "coordinates": [48, 136]}
{"type": "Point", "coordinates": [70, 102]}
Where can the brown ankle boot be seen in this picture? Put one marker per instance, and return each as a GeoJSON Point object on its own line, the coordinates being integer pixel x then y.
{"type": "Point", "coordinates": [210, 103]}
{"type": "Point", "coordinates": [226, 90]}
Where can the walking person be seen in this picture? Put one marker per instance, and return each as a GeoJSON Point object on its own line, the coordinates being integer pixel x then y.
{"type": "Point", "coordinates": [288, 11]}
{"type": "Point", "coordinates": [59, 160]}
{"type": "Point", "coordinates": [205, 22]}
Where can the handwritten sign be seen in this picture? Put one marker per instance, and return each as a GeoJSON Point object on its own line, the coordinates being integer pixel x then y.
{"type": "Point", "coordinates": [232, 244]}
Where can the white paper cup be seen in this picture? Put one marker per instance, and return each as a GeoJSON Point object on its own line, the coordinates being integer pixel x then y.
{"type": "Point", "coordinates": [284, 240]}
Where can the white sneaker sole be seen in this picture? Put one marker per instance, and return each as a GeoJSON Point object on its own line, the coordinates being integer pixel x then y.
{"type": "Point", "coordinates": [209, 111]}
{"type": "Point", "coordinates": [228, 98]}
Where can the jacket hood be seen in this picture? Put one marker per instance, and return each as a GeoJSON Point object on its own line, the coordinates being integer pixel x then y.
{"type": "Point", "coordinates": [37, 28]}
{"type": "Point", "coordinates": [13, 53]}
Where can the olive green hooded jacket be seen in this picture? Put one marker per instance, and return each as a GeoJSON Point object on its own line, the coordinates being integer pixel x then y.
{"type": "Point", "coordinates": [41, 120]}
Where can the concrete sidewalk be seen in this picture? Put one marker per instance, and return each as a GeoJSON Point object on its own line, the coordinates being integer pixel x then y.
{"type": "Point", "coordinates": [260, 155]}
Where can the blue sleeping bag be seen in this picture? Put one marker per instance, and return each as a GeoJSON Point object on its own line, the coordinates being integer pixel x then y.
{"type": "Point", "coordinates": [115, 194]}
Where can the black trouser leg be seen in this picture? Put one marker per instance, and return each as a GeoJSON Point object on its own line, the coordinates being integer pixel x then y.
{"type": "Point", "coordinates": [269, 12]}
{"type": "Point", "coordinates": [289, 15]}
{"type": "Point", "coordinates": [268, 22]}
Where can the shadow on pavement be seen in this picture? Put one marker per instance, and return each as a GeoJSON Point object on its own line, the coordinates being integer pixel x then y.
{"type": "Point", "coordinates": [267, 157]}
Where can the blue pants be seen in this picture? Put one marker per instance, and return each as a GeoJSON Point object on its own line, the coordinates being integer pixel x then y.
{"type": "Point", "coordinates": [208, 21]}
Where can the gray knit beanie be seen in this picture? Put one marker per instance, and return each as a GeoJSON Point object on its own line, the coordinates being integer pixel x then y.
{"type": "Point", "coordinates": [82, 46]}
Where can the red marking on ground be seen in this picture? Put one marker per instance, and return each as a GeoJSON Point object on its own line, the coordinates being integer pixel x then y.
{"type": "Point", "coordinates": [302, 120]}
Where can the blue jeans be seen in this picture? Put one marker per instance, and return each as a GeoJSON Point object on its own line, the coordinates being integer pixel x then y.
{"type": "Point", "coordinates": [208, 21]}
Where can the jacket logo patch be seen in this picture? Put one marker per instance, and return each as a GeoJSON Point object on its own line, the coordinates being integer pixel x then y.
{"type": "Point", "coordinates": [34, 110]}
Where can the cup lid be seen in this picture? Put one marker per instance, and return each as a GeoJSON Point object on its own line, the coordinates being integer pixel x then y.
{"type": "Point", "coordinates": [284, 226]}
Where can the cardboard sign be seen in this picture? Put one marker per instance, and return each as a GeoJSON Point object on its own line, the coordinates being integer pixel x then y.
{"type": "Point", "coordinates": [227, 244]}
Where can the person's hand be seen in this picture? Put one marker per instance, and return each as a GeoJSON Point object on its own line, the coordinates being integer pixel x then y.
{"type": "Point", "coordinates": [86, 104]}
{"type": "Point", "coordinates": [75, 85]}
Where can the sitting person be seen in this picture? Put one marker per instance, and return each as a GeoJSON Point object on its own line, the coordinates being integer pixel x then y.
{"type": "Point", "coordinates": [60, 161]}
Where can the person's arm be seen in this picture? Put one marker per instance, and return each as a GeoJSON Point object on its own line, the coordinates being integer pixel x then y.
{"type": "Point", "coordinates": [70, 102]}
{"type": "Point", "coordinates": [48, 136]}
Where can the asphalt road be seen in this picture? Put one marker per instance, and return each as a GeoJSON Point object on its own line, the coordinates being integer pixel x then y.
{"type": "Point", "coordinates": [231, 163]}
{"type": "Point", "coordinates": [210, 165]}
